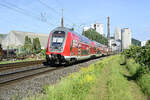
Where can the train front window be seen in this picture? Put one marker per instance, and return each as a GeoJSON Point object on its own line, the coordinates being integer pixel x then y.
{"type": "Point", "coordinates": [57, 39]}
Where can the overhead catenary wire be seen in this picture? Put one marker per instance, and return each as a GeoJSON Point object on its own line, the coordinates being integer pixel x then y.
{"type": "Point", "coordinates": [21, 11]}
{"type": "Point", "coordinates": [55, 11]}
{"type": "Point", "coordinates": [51, 8]}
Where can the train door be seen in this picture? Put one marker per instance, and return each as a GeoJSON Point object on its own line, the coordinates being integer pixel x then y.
{"type": "Point", "coordinates": [74, 48]}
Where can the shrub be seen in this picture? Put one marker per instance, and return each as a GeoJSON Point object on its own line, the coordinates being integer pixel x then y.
{"type": "Point", "coordinates": [132, 66]}
{"type": "Point", "coordinates": [43, 52]}
{"type": "Point", "coordinates": [144, 82]}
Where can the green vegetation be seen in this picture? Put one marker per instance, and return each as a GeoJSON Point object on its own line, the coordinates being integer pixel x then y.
{"type": "Point", "coordinates": [76, 86]}
{"type": "Point", "coordinates": [25, 60]}
{"type": "Point", "coordinates": [105, 80]}
{"type": "Point", "coordinates": [140, 54]}
{"type": "Point", "coordinates": [132, 66]}
{"type": "Point", "coordinates": [140, 74]}
{"type": "Point", "coordinates": [30, 47]}
{"type": "Point", "coordinates": [138, 63]}
{"type": "Point", "coordinates": [136, 42]}
{"type": "Point", "coordinates": [93, 35]}
{"type": "Point", "coordinates": [2, 36]}
{"type": "Point", "coordinates": [27, 48]}
{"type": "Point", "coordinates": [111, 84]}
{"type": "Point", "coordinates": [43, 52]}
{"type": "Point", "coordinates": [148, 43]}
{"type": "Point", "coordinates": [36, 45]}
{"type": "Point", "coordinates": [144, 82]}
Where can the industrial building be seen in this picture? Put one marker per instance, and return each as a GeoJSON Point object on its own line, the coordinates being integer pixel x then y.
{"type": "Point", "coordinates": [117, 34]}
{"type": "Point", "coordinates": [143, 43]}
{"type": "Point", "coordinates": [97, 26]}
{"type": "Point", "coordinates": [85, 28]}
{"type": "Point", "coordinates": [125, 38]}
{"type": "Point", "coordinates": [15, 39]}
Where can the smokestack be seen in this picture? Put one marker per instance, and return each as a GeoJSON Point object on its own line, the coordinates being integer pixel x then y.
{"type": "Point", "coordinates": [108, 30]}
{"type": "Point", "coordinates": [62, 20]}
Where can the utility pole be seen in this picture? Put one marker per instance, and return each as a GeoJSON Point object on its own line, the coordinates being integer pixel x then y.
{"type": "Point", "coordinates": [108, 31]}
{"type": "Point", "coordinates": [62, 19]}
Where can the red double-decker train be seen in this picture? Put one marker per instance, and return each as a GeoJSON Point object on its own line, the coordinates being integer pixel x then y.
{"type": "Point", "coordinates": [66, 46]}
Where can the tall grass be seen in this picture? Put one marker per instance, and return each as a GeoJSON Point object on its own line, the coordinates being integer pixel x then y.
{"type": "Point", "coordinates": [76, 86]}
{"type": "Point", "coordinates": [144, 82]}
{"type": "Point", "coordinates": [118, 86]}
{"type": "Point", "coordinates": [141, 74]}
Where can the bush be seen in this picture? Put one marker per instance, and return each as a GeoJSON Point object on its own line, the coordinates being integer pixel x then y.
{"type": "Point", "coordinates": [43, 52]}
{"type": "Point", "coordinates": [140, 73]}
{"type": "Point", "coordinates": [132, 66]}
{"type": "Point", "coordinates": [140, 54]}
{"type": "Point", "coordinates": [144, 82]}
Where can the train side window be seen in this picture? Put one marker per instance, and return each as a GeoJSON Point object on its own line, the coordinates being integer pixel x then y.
{"type": "Point", "coordinates": [71, 45]}
{"type": "Point", "coordinates": [79, 45]}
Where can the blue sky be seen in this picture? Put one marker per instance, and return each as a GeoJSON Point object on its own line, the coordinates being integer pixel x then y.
{"type": "Point", "coordinates": [26, 15]}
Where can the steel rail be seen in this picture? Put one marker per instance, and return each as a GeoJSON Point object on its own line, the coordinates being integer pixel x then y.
{"type": "Point", "coordinates": [13, 77]}
{"type": "Point", "coordinates": [20, 64]}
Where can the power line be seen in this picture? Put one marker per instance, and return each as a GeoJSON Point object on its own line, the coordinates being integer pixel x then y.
{"type": "Point", "coordinates": [53, 9]}
{"type": "Point", "coordinates": [22, 11]}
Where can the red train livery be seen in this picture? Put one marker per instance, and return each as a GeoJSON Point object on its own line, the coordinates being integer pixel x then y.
{"type": "Point", "coordinates": [65, 46]}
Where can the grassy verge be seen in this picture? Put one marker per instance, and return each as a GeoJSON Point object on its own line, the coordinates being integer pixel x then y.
{"type": "Point", "coordinates": [25, 60]}
{"type": "Point", "coordinates": [118, 86]}
{"type": "Point", "coordinates": [76, 86]}
{"type": "Point", "coordinates": [144, 82]}
{"type": "Point", "coordinates": [104, 80]}
{"type": "Point", "coordinates": [140, 74]}
{"type": "Point", "coordinates": [112, 84]}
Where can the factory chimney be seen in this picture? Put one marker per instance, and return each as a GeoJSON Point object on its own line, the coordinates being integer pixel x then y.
{"type": "Point", "coordinates": [62, 20]}
{"type": "Point", "coordinates": [108, 31]}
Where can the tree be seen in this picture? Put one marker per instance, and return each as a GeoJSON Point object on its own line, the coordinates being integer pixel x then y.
{"type": "Point", "coordinates": [136, 42]}
{"type": "Point", "coordinates": [36, 45]}
{"type": "Point", "coordinates": [93, 35]}
{"type": "Point", "coordinates": [28, 47]}
{"type": "Point", "coordinates": [148, 43]}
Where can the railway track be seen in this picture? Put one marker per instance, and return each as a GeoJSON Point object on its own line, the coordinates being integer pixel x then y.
{"type": "Point", "coordinates": [6, 79]}
{"type": "Point", "coordinates": [4, 67]}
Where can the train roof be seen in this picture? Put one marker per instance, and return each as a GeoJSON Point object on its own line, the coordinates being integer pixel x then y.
{"type": "Point", "coordinates": [82, 38]}
{"type": "Point", "coordinates": [99, 44]}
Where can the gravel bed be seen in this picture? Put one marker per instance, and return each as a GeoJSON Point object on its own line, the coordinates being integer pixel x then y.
{"type": "Point", "coordinates": [34, 85]}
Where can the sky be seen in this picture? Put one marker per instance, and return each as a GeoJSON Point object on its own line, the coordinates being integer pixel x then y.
{"type": "Point", "coordinates": [41, 16]}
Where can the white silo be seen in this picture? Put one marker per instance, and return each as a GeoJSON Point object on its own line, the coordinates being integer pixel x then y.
{"type": "Point", "coordinates": [125, 38]}
{"type": "Point", "coordinates": [117, 34]}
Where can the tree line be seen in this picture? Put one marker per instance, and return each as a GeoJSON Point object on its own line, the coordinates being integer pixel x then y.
{"type": "Point", "coordinates": [31, 46]}
{"type": "Point", "coordinates": [93, 35]}
{"type": "Point", "coordinates": [141, 55]}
